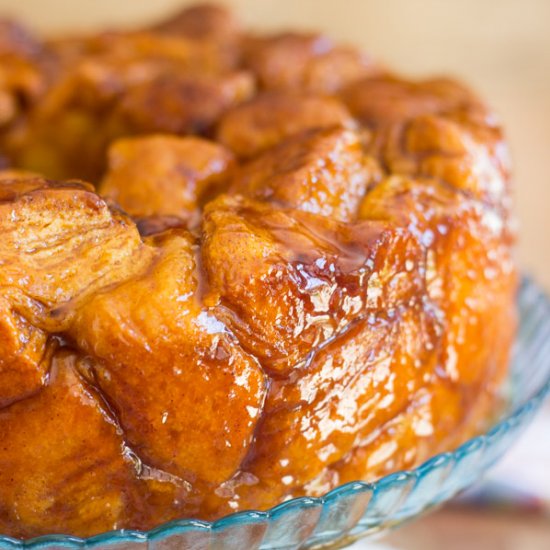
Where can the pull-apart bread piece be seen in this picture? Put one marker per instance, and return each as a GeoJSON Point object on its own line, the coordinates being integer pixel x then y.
{"type": "Point", "coordinates": [324, 172]}
{"type": "Point", "coordinates": [122, 83]}
{"type": "Point", "coordinates": [126, 316]}
{"type": "Point", "coordinates": [99, 100]}
{"type": "Point", "coordinates": [165, 175]}
{"type": "Point", "coordinates": [25, 72]}
{"type": "Point", "coordinates": [296, 271]}
{"type": "Point", "coordinates": [437, 129]}
{"type": "Point", "coordinates": [270, 118]}
{"type": "Point", "coordinates": [304, 61]}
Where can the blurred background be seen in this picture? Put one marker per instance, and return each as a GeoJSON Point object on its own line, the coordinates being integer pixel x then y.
{"type": "Point", "coordinates": [502, 49]}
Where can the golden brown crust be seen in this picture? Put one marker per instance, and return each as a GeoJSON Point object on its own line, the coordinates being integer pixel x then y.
{"type": "Point", "coordinates": [203, 21]}
{"type": "Point", "coordinates": [324, 294]}
{"type": "Point", "coordinates": [301, 61]}
{"type": "Point", "coordinates": [22, 368]}
{"type": "Point", "coordinates": [270, 118]}
{"type": "Point", "coordinates": [286, 281]}
{"type": "Point", "coordinates": [435, 128]}
{"type": "Point", "coordinates": [60, 232]}
{"type": "Point", "coordinates": [163, 175]}
{"type": "Point", "coordinates": [182, 104]}
{"type": "Point", "coordinates": [325, 172]}
{"type": "Point", "coordinates": [116, 85]}
{"type": "Point", "coordinates": [24, 72]}
{"type": "Point", "coordinates": [152, 338]}
{"type": "Point", "coordinates": [90, 495]}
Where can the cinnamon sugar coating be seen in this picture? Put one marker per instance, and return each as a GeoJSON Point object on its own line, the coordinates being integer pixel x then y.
{"type": "Point", "coordinates": [291, 270]}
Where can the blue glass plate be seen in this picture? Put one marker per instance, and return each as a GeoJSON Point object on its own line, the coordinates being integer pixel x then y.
{"type": "Point", "coordinates": [360, 509]}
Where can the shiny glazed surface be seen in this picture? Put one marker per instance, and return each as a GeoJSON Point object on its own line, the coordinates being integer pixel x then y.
{"type": "Point", "coordinates": [362, 509]}
{"type": "Point", "coordinates": [294, 271]}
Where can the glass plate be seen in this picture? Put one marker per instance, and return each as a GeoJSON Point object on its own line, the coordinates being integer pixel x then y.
{"type": "Point", "coordinates": [360, 509]}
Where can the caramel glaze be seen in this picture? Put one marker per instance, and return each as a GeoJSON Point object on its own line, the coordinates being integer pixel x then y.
{"type": "Point", "coordinates": [295, 271]}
